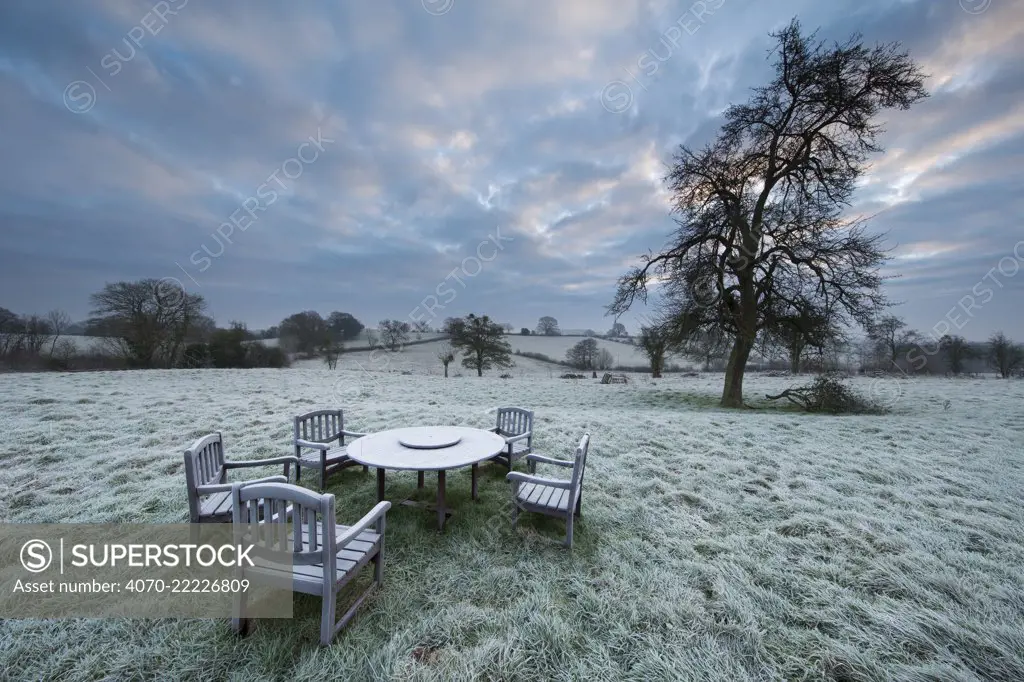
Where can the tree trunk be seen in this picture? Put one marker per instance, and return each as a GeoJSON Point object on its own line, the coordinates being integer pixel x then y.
{"type": "Point", "coordinates": [446, 370]}
{"type": "Point", "coordinates": [794, 362]}
{"type": "Point", "coordinates": [732, 393]}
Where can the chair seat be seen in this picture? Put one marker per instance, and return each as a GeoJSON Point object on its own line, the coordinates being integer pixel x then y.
{"type": "Point", "coordinates": [217, 504]}
{"type": "Point", "coordinates": [543, 497]}
{"type": "Point", "coordinates": [520, 447]}
{"type": "Point", "coordinates": [334, 455]}
{"type": "Point", "coordinates": [351, 557]}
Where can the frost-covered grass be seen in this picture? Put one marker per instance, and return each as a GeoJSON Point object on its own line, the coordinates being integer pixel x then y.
{"type": "Point", "coordinates": [732, 545]}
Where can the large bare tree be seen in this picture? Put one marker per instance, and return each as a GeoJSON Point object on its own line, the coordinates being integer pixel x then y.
{"type": "Point", "coordinates": [760, 209]}
{"type": "Point", "coordinates": [146, 322]}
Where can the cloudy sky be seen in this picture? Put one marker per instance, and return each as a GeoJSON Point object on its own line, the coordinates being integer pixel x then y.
{"type": "Point", "coordinates": [497, 156]}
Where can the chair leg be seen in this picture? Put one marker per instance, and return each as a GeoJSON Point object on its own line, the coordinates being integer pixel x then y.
{"type": "Point", "coordinates": [239, 623]}
{"type": "Point", "coordinates": [327, 612]}
{"type": "Point", "coordinates": [579, 507]}
{"type": "Point", "coordinates": [568, 531]}
{"type": "Point", "coordinates": [378, 567]}
{"type": "Point", "coordinates": [365, 468]}
{"type": "Point", "coordinates": [323, 479]}
{"type": "Point", "coordinates": [298, 473]}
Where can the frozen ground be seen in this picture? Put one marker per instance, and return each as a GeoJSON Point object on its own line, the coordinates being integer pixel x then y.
{"type": "Point", "coordinates": [762, 544]}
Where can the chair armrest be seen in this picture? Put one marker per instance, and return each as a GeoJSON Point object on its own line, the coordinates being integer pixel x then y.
{"type": "Point", "coordinates": [286, 459]}
{"type": "Point", "coordinates": [549, 460]}
{"type": "Point", "coordinates": [226, 487]}
{"type": "Point", "coordinates": [517, 477]}
{"type": "Point", "coordinates": [520, 436]}
{"type": "Point", "coordinates": [354, 434]}
{"type": "Point", "coordinates": [312, 444]}
{"type": "Point", "coordinates": [362, 524]}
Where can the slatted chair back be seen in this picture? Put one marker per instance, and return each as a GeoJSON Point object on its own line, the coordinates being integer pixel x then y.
{"type": "Point", "coordinates": [204, 465]}
{"type": "Point", "coordinates": [513, 421]}
{"type": "Point", "coordinates": [320, 426]}
{"type": "Point", "coordinates": [311, 524]}
{"type": "Point", "coordinates": [578, 469]}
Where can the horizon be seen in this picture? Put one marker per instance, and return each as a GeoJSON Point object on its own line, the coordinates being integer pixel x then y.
{"type": "Point", "coordinates": [514, 159]}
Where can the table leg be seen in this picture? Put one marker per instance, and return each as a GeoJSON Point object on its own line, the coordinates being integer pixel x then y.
{"type": "Point", "coordinates": [380, 484]}
{"type": "Point", "coordinates": [419, 479]}
{"type": "Point", "coordinates": [474, 483]}
{"type": "Point", "coordinates": [440, 499]}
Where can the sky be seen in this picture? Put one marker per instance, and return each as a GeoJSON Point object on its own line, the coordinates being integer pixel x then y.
{"type": "Point", "coordinates": [419, 159]}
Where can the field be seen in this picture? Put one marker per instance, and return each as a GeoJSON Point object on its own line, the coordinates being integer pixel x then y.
{"type": "Point", "coordinates": [421, 358]}
{"type": "Point", "coordinates": [756, 545]}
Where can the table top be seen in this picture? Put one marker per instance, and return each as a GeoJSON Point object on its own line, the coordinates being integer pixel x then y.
{"type": "Point", "coordinates": [385, 450]}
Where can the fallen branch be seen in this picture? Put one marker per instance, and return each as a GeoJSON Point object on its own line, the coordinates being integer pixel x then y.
{"type": "Point", "coordinates": [798, 396]}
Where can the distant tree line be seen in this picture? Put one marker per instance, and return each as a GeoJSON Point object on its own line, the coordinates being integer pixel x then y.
{"type": "Point", "coordinates": [145, 324]}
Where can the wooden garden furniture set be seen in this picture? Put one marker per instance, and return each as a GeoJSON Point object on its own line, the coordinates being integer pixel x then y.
{"type": "Point", "coordinates": [325, 556]}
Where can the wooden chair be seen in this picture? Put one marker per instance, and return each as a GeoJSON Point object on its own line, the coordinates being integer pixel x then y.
{"type": "Point", "coordinates": [549, 496]}
{"type": "Point", "coordinates": [315, 436]}
{"type": "Point", "coordinates": [516, 425]}
{"type": "Point", "coordinates": [318, 556]}
{"type": "Point", "coordinates": [206, 476]}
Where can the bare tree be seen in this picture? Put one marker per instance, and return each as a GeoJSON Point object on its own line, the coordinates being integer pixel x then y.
{"type": "Point", "coordinates": [9, 331]}
{"type": "Point", "coordinates": [957, 350]}
{"type": "Point", "coordinates": [603, 360]}
{"type": "Point", "coordinates": [583, 354]}
{"type": "Point", "coordinates": [59, 322]}
{"type": "Point", "coordinates": [63, 353]}
{"type": "Point", "coordinates": [760, 209]}
{"type": "Point", "coordinates": [891, 335]}
{"type": "Point", "coordinates": [445, 355]}
{"type": "Point", "coordinates": [393, 333]}
{"type": "Point", "coordinates": [481, 341]}
{"type": "Point", "coordinates": [654, 343]}
{"type": "Point", "coordinates": [1004, 355]}
{"type": "Point", "coordinates": [145, 322]}
{"type": "Point", "coordinates": [35, 333]}
{"type": "Point", "coordinates": [331, 350]}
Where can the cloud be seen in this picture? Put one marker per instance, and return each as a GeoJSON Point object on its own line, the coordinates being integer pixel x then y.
{"type": "Point", "coordinates": [446, 128]}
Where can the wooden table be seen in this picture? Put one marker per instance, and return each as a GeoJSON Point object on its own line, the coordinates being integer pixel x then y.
{"type": "Point", "coordinates": [427, 448]}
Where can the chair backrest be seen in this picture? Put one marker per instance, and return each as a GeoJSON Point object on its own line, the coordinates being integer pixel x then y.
{"type": "Point", "coordinates": [204, 465]}
{"type": "Point", "coordinates": [320, 426]}
{"type": "Point", "coordinates": [579, 467]}
{"type": "Point", "coordinates": [259, 509]}
{"type": "Point", "coordinates": [513, 421]}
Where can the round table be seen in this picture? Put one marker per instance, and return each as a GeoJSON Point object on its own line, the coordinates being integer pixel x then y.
{"type": "Point", "coordinates": [427, 448]}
